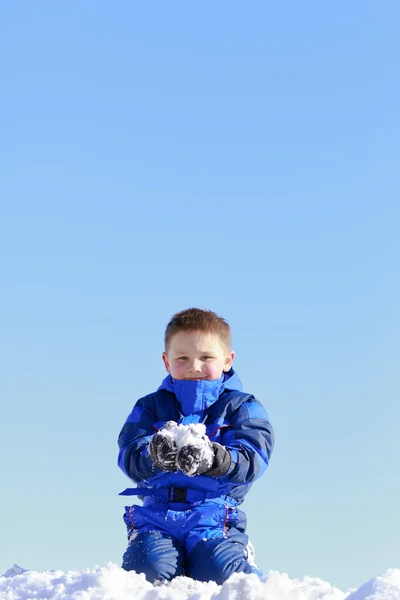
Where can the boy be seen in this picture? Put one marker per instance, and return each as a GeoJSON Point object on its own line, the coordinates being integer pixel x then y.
{"type": "Point", "coordinates": [189, 523]}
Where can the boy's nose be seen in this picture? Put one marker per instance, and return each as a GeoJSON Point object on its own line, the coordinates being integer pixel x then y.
{"type": "Point", "coordinates": [195, 366]}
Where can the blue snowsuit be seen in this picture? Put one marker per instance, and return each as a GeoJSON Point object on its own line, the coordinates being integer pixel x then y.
{"type": "Point", "coordinates": [192, 525]}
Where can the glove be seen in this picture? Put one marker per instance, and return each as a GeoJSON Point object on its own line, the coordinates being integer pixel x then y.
{"type": "Point", "coordinates": [163, 450]}
{"type": "Point", "coordinates": [222, 461]}
{"type": "Point", "coordinates": [196, 457]}
{"type": "Point", "coordinates": [191, 460]}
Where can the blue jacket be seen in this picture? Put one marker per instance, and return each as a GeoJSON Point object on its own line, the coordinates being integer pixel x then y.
{"type": "Point", "coordinates": [232, 418]}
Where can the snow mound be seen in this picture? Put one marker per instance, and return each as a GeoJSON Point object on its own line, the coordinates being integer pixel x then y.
{"type": "Point", "coordinates": [15, 570]}
{"type": "Point", "coordinates": [110, 582]}
{"type": "Point", "coordinates": [385, 587]}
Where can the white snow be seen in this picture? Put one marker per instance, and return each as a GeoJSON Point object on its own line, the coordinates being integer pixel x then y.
{"type": "Point", "coordinates": [15, 570]}
{"type": "Point", "coordinates": [190, 435]}
{"type": "Point", "coordinates": [110, 582]}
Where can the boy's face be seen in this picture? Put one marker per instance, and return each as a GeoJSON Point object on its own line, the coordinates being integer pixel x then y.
{"type": "Point", "coordinates": [197, 355]}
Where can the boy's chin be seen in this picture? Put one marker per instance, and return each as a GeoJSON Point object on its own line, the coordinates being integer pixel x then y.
{"type": "Point", "coordinates": [201, 378]}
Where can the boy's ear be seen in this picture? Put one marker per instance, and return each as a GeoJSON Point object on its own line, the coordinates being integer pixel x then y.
{"type": "Point", "coordinates": [229, 360]}
{"type": "Point", "coordinates": [166, 363]}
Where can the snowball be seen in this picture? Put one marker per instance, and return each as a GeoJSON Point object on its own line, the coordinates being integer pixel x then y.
{"type": "Point", "coordinates": [193, 434]}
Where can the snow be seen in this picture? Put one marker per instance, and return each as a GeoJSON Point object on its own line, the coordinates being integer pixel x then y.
{"type": "Point", "coordinates": [385, 587]}
{"type": "Point", "coordinates": [190, 435]}
{"type": "Point", "coordinates": [110, 582]}
{"type": "Point", "coordinates": [15, 570]}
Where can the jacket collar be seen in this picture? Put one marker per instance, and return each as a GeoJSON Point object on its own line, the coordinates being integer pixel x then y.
{"type": "Point", "coordinates": [195, 396]}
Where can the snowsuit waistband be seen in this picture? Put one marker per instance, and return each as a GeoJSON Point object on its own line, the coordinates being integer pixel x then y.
{"type": "Point", "coordinates": [177, 494]}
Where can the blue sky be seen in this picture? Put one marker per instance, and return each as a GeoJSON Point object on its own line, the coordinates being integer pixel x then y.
{"type": "Point", "coordinates": [242, 158]}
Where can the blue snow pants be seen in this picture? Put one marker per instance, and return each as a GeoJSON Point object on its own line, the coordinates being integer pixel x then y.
{"type": "Point", "coordinates": [206, 541]}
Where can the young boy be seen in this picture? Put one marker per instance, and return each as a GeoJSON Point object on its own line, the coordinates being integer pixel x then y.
{"type": "Point", "coordinates": [189, 523]}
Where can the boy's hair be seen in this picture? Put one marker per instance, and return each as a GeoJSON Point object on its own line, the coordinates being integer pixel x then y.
{"type": "Point", "coordinates": [197, 319]}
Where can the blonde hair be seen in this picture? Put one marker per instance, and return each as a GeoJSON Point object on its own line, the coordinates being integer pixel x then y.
{"type": "Point", "coordinates": [197, 319]}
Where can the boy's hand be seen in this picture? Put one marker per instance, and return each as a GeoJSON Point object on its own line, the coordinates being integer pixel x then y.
{"type": "Point", "coordinates": [192, 461]}
{"type": "Point", "coordinates": [196, 455]}
{"type": "Point", "coordinates": [222, 461]}
{"type": "Point", "coordinates": [163, 450]}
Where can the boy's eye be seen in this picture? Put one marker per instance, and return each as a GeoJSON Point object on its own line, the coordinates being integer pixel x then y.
{"type": "Point", "coordinates": [182, 358]}
{"type": "Point", "coordinates": [206, 357]}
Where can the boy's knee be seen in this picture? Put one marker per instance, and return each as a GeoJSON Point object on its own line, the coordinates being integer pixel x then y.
{"type": "Point", "coordinates": [217, 559]}
{"type": "Point", "coordinates": [159, 557]}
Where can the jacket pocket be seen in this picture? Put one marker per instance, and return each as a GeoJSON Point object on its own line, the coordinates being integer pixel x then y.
{"type": "Point", "coordinates": [159, 425]}
{"type": "Point", "coordinates": [215, 430]}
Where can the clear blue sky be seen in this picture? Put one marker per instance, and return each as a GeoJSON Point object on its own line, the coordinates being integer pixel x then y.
{"type": "Point", "coordinates": [232, 156]}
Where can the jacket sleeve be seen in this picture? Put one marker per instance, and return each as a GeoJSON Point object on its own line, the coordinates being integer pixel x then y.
{"type": "Point", "coordinates": [250, 441]}
{"type": "Point", "coordinates": [133, 458]}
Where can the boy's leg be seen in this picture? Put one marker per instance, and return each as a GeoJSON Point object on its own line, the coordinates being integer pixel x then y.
{"type": "Point", "coordinates": [156, 555]}
{"type": "Point", "coordinates": [216, 559]}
